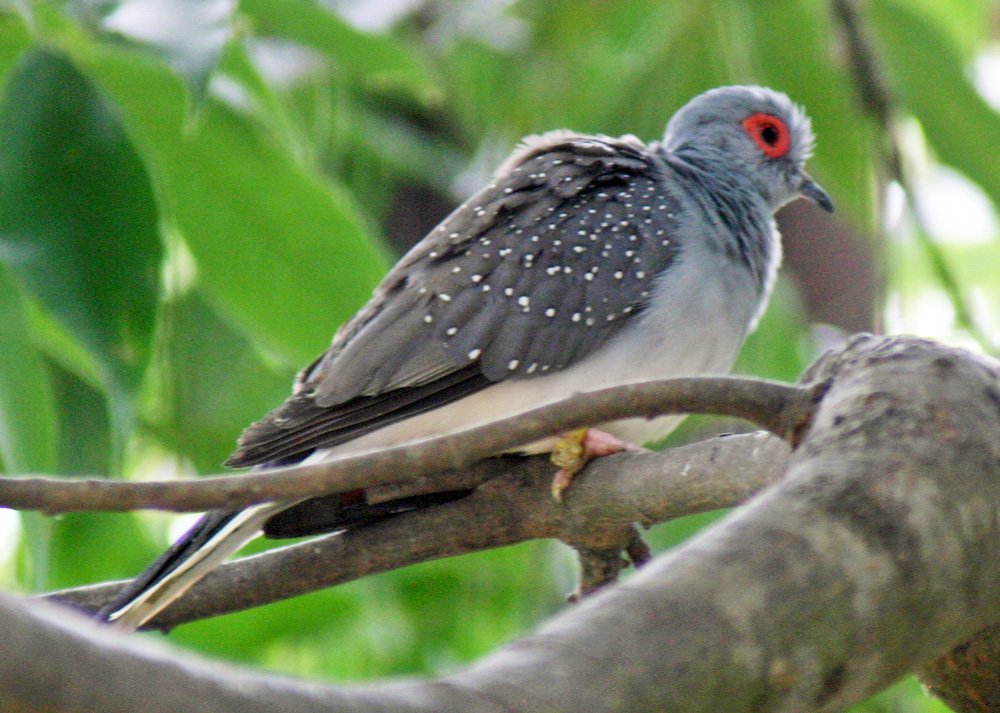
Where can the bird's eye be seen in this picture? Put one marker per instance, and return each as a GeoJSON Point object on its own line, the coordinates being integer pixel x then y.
{"type": "Point", "coordinates": [769, 133]}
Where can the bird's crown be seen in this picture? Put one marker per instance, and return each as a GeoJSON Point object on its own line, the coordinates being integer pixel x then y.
{"type": "Point", "coordinates": [778, 127]}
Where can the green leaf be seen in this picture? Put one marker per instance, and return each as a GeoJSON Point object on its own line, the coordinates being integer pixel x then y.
{"type": "Point", "coordinates": [78, 221]}
{"type": "Point", "coordinates": [283, 252]}
{"type": "Point", "coordinates": [817, 81]}
{"type": "Point", "coordinates": [190, 36]}
{"type": "Point", "coordinates": [407, 150]}
{"type": "Point", "coordinates": [967, 23]}
{"type": "Point", "coordinates": [933, 84]}
{"type": "Point", "coordinates": [27, 408]}
{"type": "Point", "coordinates": [215, 383]}
{"type": "Point", "coordinates": [85, 443]}
{"type": "Point", "coordinates": [93, 547]}
{"type": "Point", "coordinates": [14, 39]}
{"type": "Point", "coordinates": [424, 619]}
{"type": "Point", "coordinates": [88, 547]}
{"type": "Point", "coordinates": [776, 349]}
{"type": "Point", "coordinates": [375, 60]}
{"type": "Point", "coordinates": [683, 64]}
{"type": "Point", "coordinates": [48, 549]}
{"type": "Point", "coordinates": [622, 69]}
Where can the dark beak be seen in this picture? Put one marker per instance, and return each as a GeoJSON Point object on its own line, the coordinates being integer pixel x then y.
{"type": "Point", "coordinates": [811, 190]}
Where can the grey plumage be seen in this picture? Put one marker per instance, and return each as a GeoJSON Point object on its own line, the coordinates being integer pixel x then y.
{"type": "Point", "coordinates": [587, 262]}
{"type": "Point", "coordinates": [537, 249]}
{"type": "Point", "coordinates": [532, 274]}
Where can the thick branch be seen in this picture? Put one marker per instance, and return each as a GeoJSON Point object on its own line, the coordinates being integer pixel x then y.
{"type": "Point", "coordinates": [968, 677]}
{"type": "Point", "coordinates": [873, 555]}
{"type": "Point", "coordinates": [513, 507]}
{"type": "Point", "coordinates": [780, 408]}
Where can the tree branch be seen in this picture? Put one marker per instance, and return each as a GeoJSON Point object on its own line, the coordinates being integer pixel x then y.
{"type": "Point", "coordinates": [514, 506]}
{"type": "Point", "coordinates": [875, 553]}
{"type": "Point", "coordinates": [781, 408]}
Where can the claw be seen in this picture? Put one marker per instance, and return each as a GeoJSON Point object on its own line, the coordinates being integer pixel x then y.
{"type": "Point", "coordinates": [579, 447]}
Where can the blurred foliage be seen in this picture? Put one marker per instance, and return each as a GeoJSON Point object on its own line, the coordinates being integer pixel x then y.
{"type": "Point", "coordinates": [193, 197]}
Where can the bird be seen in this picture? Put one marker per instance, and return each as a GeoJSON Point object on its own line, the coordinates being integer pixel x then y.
{"type": "Point", "coordinates": [587, 262]}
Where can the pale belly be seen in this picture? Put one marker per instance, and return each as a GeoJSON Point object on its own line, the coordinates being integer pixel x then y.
{"type": "Point", "coordinates": [705, 340]}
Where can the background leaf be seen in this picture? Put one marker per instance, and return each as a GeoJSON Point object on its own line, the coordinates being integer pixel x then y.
{"type": "Point", "coordinates": [215, 384]}
{"type": "Point", "coordinates": [27, 405]}
{"type": "Point", "coordinates": [190, 35]}
{"type": "Point", "coordinates": [374, 60]}
{"type": "Point", "coordinates": [78, 221]}
{"type": "Point", "coordinates": [934, 85]}
{"type": "Point", "coordinates": [288, 263]}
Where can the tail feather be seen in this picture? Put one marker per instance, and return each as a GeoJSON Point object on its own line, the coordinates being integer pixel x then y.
{"type": "Point", "coordinates": [220, 534]}
{"type": "Point", "coordinates": [206, 545]}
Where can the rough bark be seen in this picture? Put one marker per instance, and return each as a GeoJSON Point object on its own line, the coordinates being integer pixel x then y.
{"type": "Point", "coordinates": [968, 677]}
{"type": "Point", "coordinates": [514, 506]}
{"type": "Point", "coordinates": [780, 408]}
{"type": "Point", "coordinates": [876, 553]}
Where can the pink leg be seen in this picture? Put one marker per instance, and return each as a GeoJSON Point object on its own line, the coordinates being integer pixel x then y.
{"type": "Point", "coordinates": [579, 447]}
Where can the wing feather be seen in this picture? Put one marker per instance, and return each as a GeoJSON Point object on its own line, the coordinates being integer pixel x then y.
{"type": "Point", "coordinates": [530, 275]}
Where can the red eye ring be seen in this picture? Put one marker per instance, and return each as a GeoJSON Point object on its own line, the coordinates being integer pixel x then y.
{"type": "Point", "coordinates": [769, 133]}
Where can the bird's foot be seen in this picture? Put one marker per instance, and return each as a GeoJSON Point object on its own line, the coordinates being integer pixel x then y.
{"type": "Point", "coordinates": [579, 447]}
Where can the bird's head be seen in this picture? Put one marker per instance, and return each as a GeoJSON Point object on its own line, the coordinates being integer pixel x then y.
{"type": "Point", "coordinates": [753, 132]}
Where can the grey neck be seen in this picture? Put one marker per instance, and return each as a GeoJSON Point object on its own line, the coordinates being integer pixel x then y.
{"type": "Point", "coordinates": [733, 205]}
